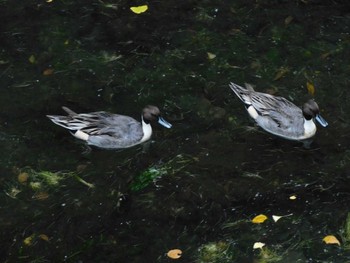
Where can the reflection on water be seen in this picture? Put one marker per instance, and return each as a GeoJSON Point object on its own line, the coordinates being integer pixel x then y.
{"type": "Point", "coordinates": [197, 186]}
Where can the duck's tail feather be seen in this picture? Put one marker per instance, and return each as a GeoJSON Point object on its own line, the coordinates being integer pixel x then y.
{"type": "Point", "coordinates": [242, 93]}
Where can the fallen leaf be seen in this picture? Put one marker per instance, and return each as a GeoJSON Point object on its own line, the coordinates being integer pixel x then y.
{"type": "Point", "coordinates": [310, 88]}
{"type": "Point", "coordinates": [48, 71]}
{"type": "Point", "coordinates": [139, 9]}
{"type": "Point", "coordinates": [276, 218]}
{"type": "Point", "coordinates": [288, 20]}
{"type": "Point", "coordinates": [331, 240]}
{"type": "Point", "coordinates": [281, 73]}
{"type": "Point", "coordinates": [211, 56]}
{"type": "Point", "coordinates": [32, 59]}
{"type": "Point", "coordinates": [23, 177]}
{"type": "Point", "coordinates": [258, 245]}
{"type": "Point", "coordinates": [293, 197]}
{"type": "Point", "coordinates": [259, 219]}
{"type": "Point", "coordinates": [44, 237]}
{"type": "Point", "coordinates": [174, 253]}
{"type": "Point", "coordinates": [28, 241]}
{"type": "Point", "coordinates": [41, 196]}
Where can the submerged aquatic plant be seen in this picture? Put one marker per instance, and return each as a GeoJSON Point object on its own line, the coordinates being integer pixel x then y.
{"type": "Point", "coordinates": [157, 171]}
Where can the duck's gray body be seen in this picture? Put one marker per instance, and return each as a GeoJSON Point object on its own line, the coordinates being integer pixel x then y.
{"type": "Point", "coordinates": [279, 116]}
{"type": "Point", "coordinates": [107, 130]}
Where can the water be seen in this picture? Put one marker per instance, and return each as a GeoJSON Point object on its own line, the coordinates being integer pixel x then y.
{"type": "Point", "coordinates": [197, 186]}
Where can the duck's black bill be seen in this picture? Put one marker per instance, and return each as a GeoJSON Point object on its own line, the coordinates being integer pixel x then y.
{"type": "Point", "coordinates": [321, 121]}
{"type": "Point", "coordinates": [164, 123]}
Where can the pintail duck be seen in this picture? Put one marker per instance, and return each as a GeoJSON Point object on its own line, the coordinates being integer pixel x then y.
{"type": "Point", "coordinates": [110, 131]}
{"type": "Point", "coordinates": [279, 116]}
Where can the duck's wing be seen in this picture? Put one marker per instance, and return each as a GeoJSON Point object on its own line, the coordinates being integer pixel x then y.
{"type": "Point", "coordinates": [277, 110]}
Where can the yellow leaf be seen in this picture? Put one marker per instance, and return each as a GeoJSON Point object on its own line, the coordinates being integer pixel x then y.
{"type": "Point", "coordinates": [259, 219]}
{"type": "Point", "coordinates": [281, 73]}
{"type": "Point", "coordinates": [258, 245]}
{"type": "Point", "coordinates": [310, 88]}
{"type": "Point", "coordinates": [211, 56]}
{"type": "Point", "coordinates": [44, 237]}
{"type": "Point", "coordinates": [49, 1]}
{"type": "Point", "coordinates": [139, 9]}
{"type": "Point", "coordinates": [174, 253]}
{"type": "Point", "coordinates": [28, 241]}
{"type": "Point", "coordinates": [66, 42]}
{"type": "Point", "coordinates": [32, 59]}
{"type": "Point", "coordinates": [293, 197]}
{"type": "Point", "coordinates": [23, 177]}
{"type": "Point", "coordinates": [331, 240]}
{"type": "Point", "coordinates": [48, 71]}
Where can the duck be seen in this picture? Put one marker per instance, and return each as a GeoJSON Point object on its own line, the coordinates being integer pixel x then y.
{"type": "Point", "coordinates": [108, 130]}
{"type": "Point", "coordinates": [279, 116]}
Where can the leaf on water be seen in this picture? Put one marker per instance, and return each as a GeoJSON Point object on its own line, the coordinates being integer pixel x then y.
{"type": "Point", "coordinates": [293, 197]}
{"type": "Point", "coordinates": [259, 219]}
{"type": "Point", "coordinates": [139, 9]}
{"type": "Point", "coordinates": [44, 237]}
{"type": "Point", "coordinates": [259, 245]}
{"type": "Point", "coordinates": [288, 20]}
{"type": "Point", "coordinates": [28, 241]}
{"type": "Point", "coordinates": [174, 253]}
{"type": "Point", "coordinates": [32, 59]}
{"type": "Point", "coordinates": [276, 218]}
{"type": "Point", "coordinates": [330, 239]}
{"type": "Point", "coordinates": [49, 1]}
{"type": "Point", "coordinates": [23, 177]}
{"type": "Point", "coordinates": [66, 42]}
{"type": "Point", "coordinates": [211, 55]}
{"type": "Point", "coordinates": [281, 73]}
{"type": "Point", "coordinates": [310, 88]}
{"type": "Point", "coordinates": [48, 71]}
{"type": "Point", "coordinates": [41, 196]}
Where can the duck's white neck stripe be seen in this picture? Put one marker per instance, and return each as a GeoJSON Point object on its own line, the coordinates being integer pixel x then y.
{"type": "Point", "coordinates": [147, 131]}
{"type": "Point", "coordinates": [309, 128]}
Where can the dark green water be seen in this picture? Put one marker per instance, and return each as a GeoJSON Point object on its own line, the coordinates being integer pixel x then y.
{"type": "Point", "coordinates": [197, 186]}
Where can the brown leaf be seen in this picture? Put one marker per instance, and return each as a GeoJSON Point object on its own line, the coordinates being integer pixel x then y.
{"type": "Point", "coordinates": [174, 253]}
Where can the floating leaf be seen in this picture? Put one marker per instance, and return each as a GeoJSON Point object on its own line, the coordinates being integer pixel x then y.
{"type": "Point", "coordinates": [258, 245]}
{"type": "Point", "coordinates": [139, 9]}
{"type": "Point", "coordinates": [174, 253]}
{"type": "Point", "coordinates": [23, 177]}
{"type": "Point", "coordinates": [32, 59]}
{"type": "Point", "coordinates": [211, 55]}
{"type": "Point", "coordinates": [28, 241]}
{"type": "Point", "coordinates": [259, 219]}
{"type": "Point", "coordinates": [66, 42]}
{"type": "Point", "coordinates": [281, 73]}
{"type": "Point", "coordinates": [48, 71]}
{"type": "Point", "coordinates": [293, 197]}
{"type": "Point", "coordinates": [44, 237]}
{"type": "Point", "coordinates": [288, 20]}
{"type": "Point", "coordinates": [310, 88]}
{"type": "Point", "coordinates": [276, 218]}
{"type": "Point", "coordinates": [49, 1]}
{"type": "Point", "coordinates": [331, 240]}
{"type": "Point", "coordinates": [41, 196]}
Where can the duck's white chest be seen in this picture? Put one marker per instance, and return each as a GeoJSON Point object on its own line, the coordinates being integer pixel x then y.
{"type": "Point", "coordinates": [147, 131]}
{"type": "Point", "coordinates": [309, 128]}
